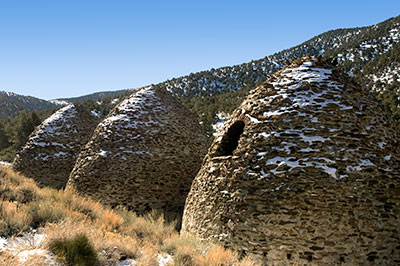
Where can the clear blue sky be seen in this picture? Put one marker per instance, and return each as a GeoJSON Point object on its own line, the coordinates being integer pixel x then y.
{"type": "Point", "coordinates": [52, 49]}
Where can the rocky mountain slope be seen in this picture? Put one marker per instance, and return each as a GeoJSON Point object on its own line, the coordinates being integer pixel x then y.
{"type": "Point", "coordinates": [382, 76]}
{"type": "Point", "coordinates": [11, 104]}
{"type": "Point", "coordinates": [353, 47]}
{"type": "Point", "coordinates": [369, 53]}
{"type": "Point", "coordinates": [97, 96]}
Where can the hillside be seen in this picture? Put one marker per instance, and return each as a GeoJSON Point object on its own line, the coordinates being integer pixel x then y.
{"type": "Point", "coordinates": [232, 78]}
{"type": "Point", "coordinates": [354, 50]}
{"type": "Point", "coordinates": [95, 96]}
{"type": "Point", "coordinates": [11, 104]}
{"type": "Point", "coordinates": [14, 131]}
{"type": "Point", "coordinates": [353, 47]}
{"type": "Point", "coordinates": [371, 54]}
{"type": "Point", "coordinates": [382, 76]}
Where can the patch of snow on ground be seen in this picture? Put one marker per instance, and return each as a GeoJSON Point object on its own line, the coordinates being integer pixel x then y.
{"type": "Point", "coordinates": [25, 254]}
{"type": "Point", "coordinates": [95, 113]}
{"type": "Point", "coordinates": [286, 148]}
{"type": "Point", "coordinates": [28, 245]}
{"type": "Point", "coordinates": [60, 154]}
{"type": "Point", "coordinates": [164, 260]}
{"type": "Point", "coordinates": [3, 242]}
{"type": "Point", "coordinates": [128, 262]}
{"type": "Point", "coordinates": [252, 119]}
{"type": "Point", "coordinates": [222, 118]}
{"type": "Point", "coordinates": [32, 244]}
{"type": "Point", "coordinates": [289, 161]}
{"type": "Point", "coordinates": [279, 187]}
{"type": "Point", "coordinates": [5, 163]}
{"type": "Point", "coordinates": [265, 135]}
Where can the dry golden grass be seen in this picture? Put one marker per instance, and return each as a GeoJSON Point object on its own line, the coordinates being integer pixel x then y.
{"type": "Point", "coordinates": [9, 259]}
{"type": "Point", "coordinates": [13, 218]}
{"type": "Point", "coordinates": [115, 234]}
{"type": "Point", "coordinates": [217, 255]}
{"type": "Point", "coordinates": [247, 261]}
{"type": "Point", "coordinates": [110, 221]}
{"type": "Point", "coordinates": [148, 255]}
{"type": "Point", "coordinates": [114, 244]}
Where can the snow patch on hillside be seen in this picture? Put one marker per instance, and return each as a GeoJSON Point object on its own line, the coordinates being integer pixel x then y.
{"type": "Point", "coordinates": [60, 102]}
{"type": "Point", "coordinates": [222, 117]}
{"type": "Point", "coordinates": [30, 244]}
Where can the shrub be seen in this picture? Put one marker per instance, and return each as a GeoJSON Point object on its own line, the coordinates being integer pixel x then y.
{"type": "Point", "coordinates": [28, 194]}
{"type": "Point", "coordinates": [217, 256]}
{"type": "Point", "coordinates": [77, 251]}
{"type": "Point", "coordinates": [42, 212]}
{"type": "Point", "coordinates": [86, 206]}
{"type": "Point", "coordinates": [110, 221]}
{"type": "Point", "coordinates": [23, 195]}
{"type": "Point", "coordinates": [69, 220]}
{"type": "Point", "coordinates": [12, 219]}
{"type": "Point", "coordinates": [151, 227]}
{"type": "Point", "coordinates": [183, 248]}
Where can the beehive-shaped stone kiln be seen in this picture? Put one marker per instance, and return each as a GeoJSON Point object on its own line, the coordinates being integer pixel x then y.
{"type": "Point", "coordinates": [144, 155]}
{"type": "Point", "coordinates": [306, 171]}
{"type": "Point", "coordinates": [51, 150]}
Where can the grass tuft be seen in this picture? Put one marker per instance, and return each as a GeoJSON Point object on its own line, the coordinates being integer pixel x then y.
{"type": "Point", "coordinates": [42, 212]}
{"type": "Point", "coordinates": [77, 251]}
{"type": "Point", "coordinates": [83, 232]}
{"type": "Point", "coordinates": [217, 256]}
{"type": "Point", "coordinates": [12, 219]}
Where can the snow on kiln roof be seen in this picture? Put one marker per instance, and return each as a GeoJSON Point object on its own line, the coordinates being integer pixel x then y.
{"type": "Point", "coordinates": [52, 125]}
{"type": "Point", "coordinates": [292, 79]}
{"type": "Point", "coordinates": [128, 113]}
{"type": "Point", "coordinates": [57, 120]}
{"type": "Point", "coordinates": [306, 92]}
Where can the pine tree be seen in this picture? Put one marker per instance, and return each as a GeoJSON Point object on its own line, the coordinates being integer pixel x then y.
{"type": "Point", "coordinates": [35, 120]}
{"type": "Point", "coordinates": [4, 143]}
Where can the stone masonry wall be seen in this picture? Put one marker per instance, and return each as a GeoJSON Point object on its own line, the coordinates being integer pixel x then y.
{"type": "Point", "coordinates": [144, 155]}
{"type": "Point", "coordinates": [306, 171]}
{"type": "Point", "coordinates": [51, 150]}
